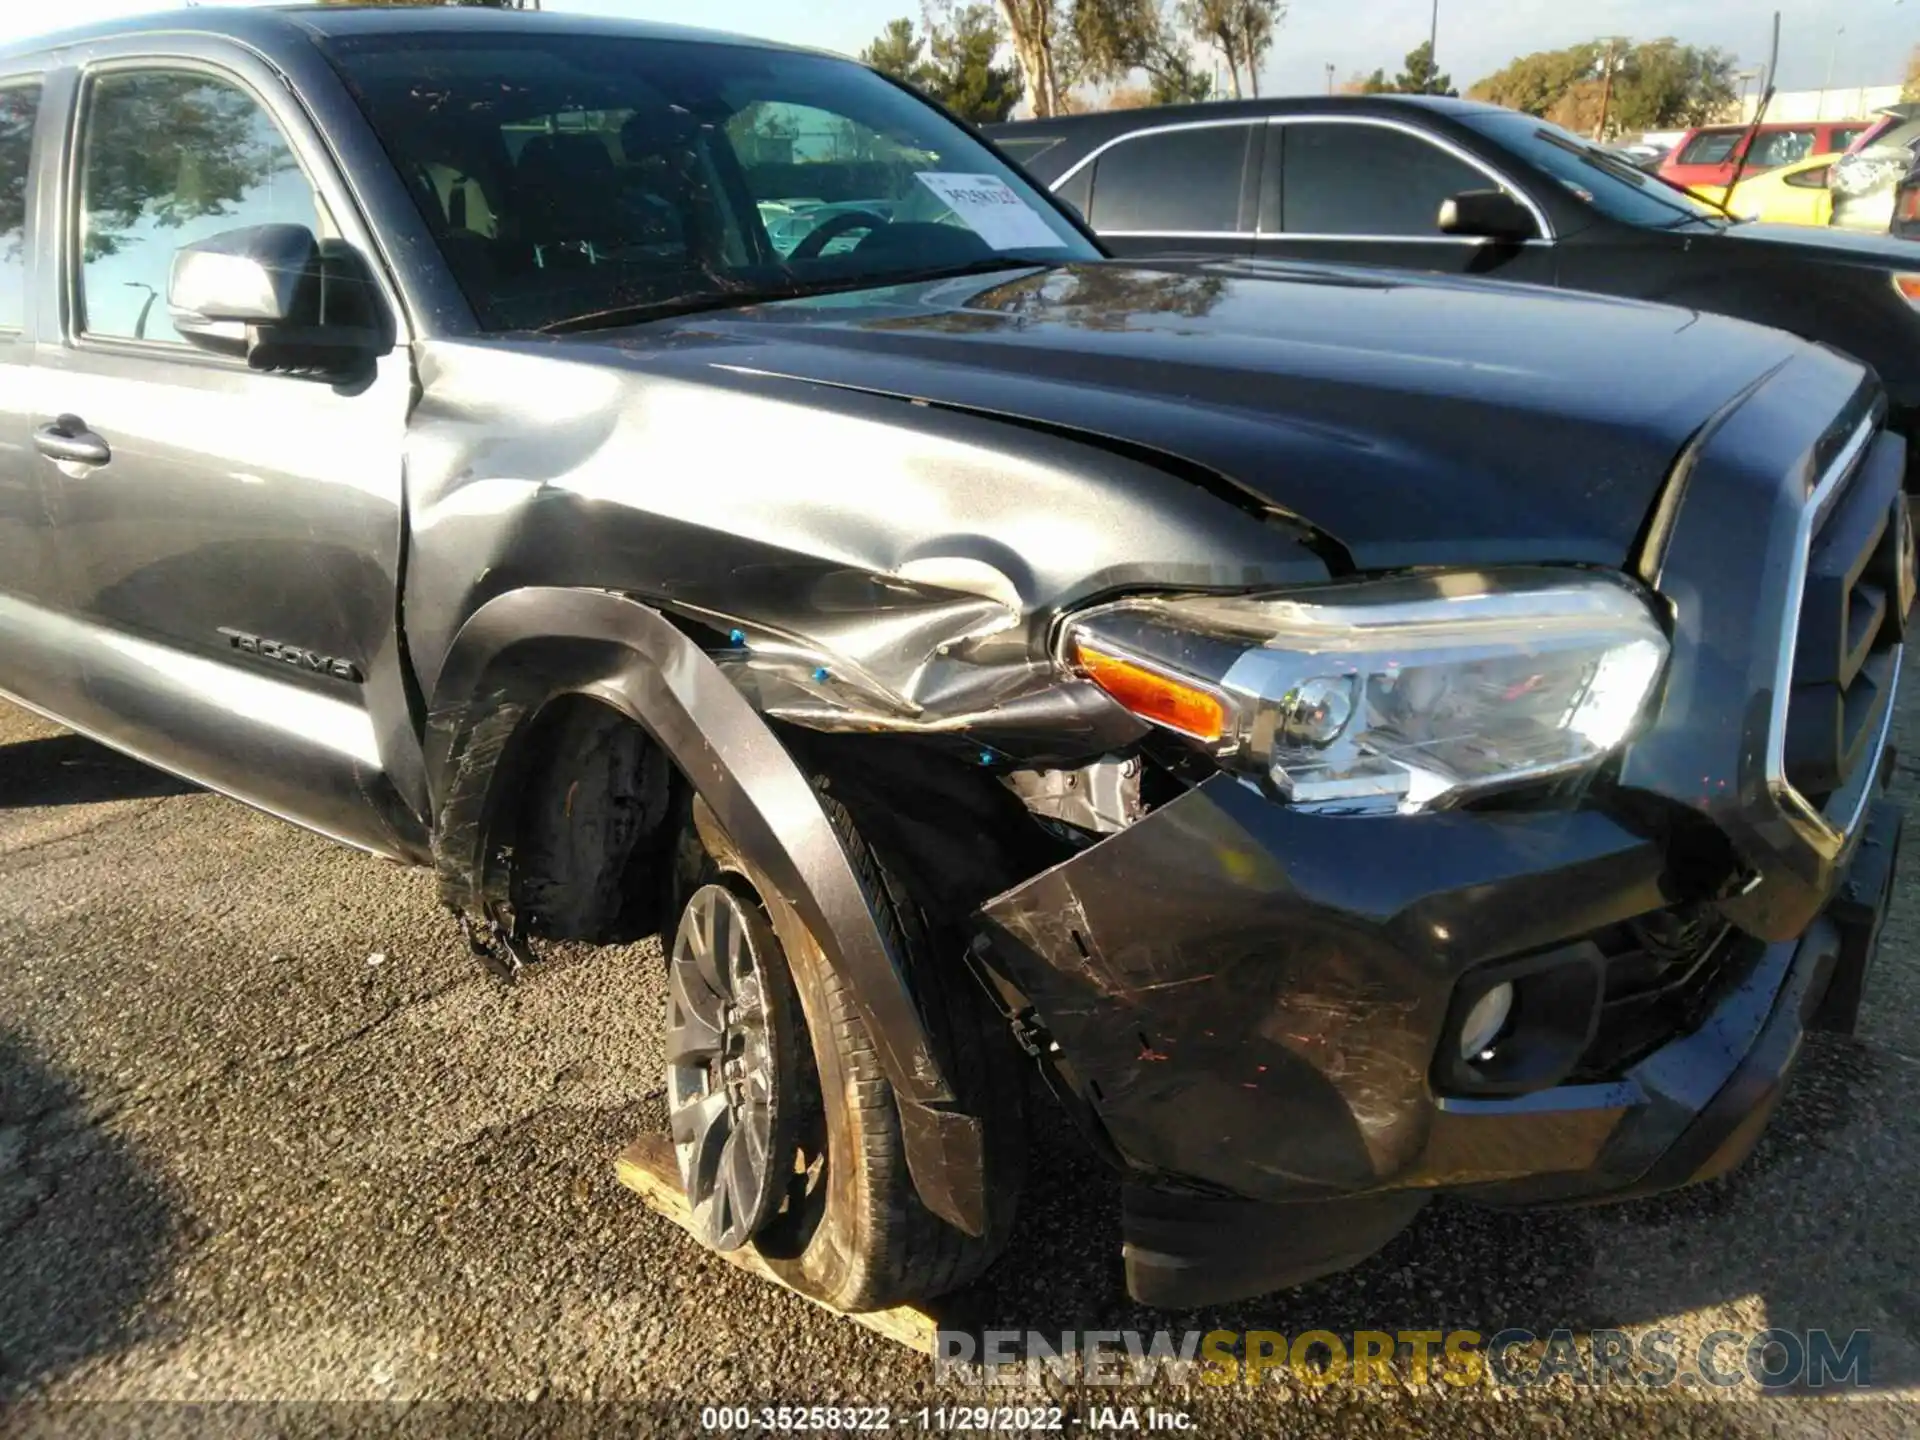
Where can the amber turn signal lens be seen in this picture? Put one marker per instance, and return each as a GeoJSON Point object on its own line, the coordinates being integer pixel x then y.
{"type": "Point", "coordinates": [1909, 287]}
{"type": "Point", "coordinates": [1153, 696]}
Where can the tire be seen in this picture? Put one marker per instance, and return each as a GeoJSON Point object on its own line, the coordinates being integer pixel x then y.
{"type": "Point", "coordinates": [852, 1231]}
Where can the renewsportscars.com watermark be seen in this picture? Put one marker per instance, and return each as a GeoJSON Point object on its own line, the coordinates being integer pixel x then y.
{"type": "Point", "coordinates": [1723, 1360]}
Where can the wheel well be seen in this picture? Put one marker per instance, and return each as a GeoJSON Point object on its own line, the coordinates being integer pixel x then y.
{"type": "Point", "coordinates": [591, 827]}
{"type": "Point", "coordinates": [951, 830]}
{"type": "Point", "coordinates": [592, 834]}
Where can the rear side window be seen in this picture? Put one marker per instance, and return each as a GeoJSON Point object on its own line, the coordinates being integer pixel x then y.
{"type": "Point", "coordinates": [1709, 147]}
{"type": "Point", "coordinates": [18, 106]}
{"type": "Point", "coordinates": [1188, 180]}
{"type": "Point", "coordinates": [1077, 190]}
{"type": "Point", "coordinates": [1845, 137]}
{"type": "Point", "coordinates": [169, 158]}
{"type": "Point", "coordinates": [1368, 180]}
{"type": "Point", "coordinates": [1814, 179]}
{"type": "Point", "coordinates": [1025, 150]}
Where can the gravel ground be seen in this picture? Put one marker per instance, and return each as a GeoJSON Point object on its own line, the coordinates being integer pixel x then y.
{"type": "Point", "coordinates": [267, 1134]}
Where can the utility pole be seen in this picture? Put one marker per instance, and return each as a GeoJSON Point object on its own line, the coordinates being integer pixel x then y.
{"type": "Point", "coordinates": [1433, 42]}
{"type": "Point", "coordinates": [1606, 92]}
{"type": "Point", "coordinates": [1329, 77]}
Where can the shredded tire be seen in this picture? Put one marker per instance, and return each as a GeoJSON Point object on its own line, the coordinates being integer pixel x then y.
{"type": "Point", "coordinates": [856, 1235]}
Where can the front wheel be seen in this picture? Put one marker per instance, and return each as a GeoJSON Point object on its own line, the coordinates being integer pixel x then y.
{"type": "Point", "coordinates": [785, 1126]}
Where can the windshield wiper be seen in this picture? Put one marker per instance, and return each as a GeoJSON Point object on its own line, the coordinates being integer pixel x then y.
{"type": "Point", "coordinates": [742, 298]}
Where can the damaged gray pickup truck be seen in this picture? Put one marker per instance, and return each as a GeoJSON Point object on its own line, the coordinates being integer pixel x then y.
{"type": "Point", "coordinates": [1361, 735]}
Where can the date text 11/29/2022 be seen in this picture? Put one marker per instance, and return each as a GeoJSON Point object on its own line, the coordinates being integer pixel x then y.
{"type": "Point", "coordinates": [938, 1418]}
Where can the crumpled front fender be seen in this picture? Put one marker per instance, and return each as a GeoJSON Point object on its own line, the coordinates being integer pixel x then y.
{"type": "Point", "coordinates": [529, 647]}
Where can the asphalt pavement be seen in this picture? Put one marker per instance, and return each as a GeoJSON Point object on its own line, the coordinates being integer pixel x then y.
{"type": "Point", "coordinates": [268, 1136]}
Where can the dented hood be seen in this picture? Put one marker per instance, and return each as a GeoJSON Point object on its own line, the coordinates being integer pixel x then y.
{"type": "Point", "coordinates": [1416, 419]}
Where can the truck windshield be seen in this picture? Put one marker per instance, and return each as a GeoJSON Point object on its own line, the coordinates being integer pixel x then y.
{"type": "Point", "coordinates": [576, 179]}
{"type": "Point", "coordinates": [1609, 184]}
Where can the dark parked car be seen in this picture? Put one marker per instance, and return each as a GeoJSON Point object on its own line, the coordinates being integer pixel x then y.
{"type": "Point", "coordinates": [1361, 736]}
{"type": "Point", "coordinates": [1364, 179]}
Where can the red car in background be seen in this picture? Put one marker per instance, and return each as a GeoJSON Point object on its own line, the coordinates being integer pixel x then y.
{"type": "Point", "coordinates": [1707, 156]}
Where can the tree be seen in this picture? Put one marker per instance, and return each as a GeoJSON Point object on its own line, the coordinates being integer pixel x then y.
{"type": "Point", "coordinates": [1535, 83]}
{"type": "Point", "coordinates": [1422, 76]}
{"type": "Point", "coordinates": [1111, 39]}
{"type": "Point", "coordinates": [167, 148]}
{"type": "Point", "coordinates": [764, 133]}
{"type": "Point", "coordinates": [1241, 31]}
{"type": "Point", "coordinates": [1664, 85]}
{"type": "Point", "coordinates": [1911, 91]}
{"type": "Point", "coordinates": [1179, 83]}
{"type": "Point", "coordinates": [1036, 28]}
{"type": "Point", "coordinates": [1658, 85]}
{"type": "Point", "coordinates": [954, 64]}
{"type": "Point", "coordinates": [961, 72]}
{"type": "Point", "coordinates": [898, 51]}
{"type": "Point", "coordinates": [1059, 44]}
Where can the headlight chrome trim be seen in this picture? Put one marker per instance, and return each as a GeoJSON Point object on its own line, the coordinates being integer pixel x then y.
{"type": "Point", "coordinates": [1407, 692]}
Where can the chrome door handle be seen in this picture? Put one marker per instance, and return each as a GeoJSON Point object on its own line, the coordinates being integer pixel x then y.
{"type": "Point", "coordinates": [68, 438]}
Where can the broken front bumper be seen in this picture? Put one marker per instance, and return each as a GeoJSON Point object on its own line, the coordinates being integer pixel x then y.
{"type": "Point", "coordinates": [1249, 1002]}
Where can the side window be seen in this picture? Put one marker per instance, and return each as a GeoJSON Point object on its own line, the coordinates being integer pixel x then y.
{"type": "Point", "coordinates": [1078, 191]}
{"type": "Point", "coordinates": [1780, 147]}
{"type": "Point", "coordinates": [1025, 150]}
{"type": "Point", "coordinates": [1843, 138]}
{"type": "Point", "coordinates": [18, 106]}
{"type": "Point", "coordinates": [1177, 180]}
{"type": "Point", "coordinates": [1814, 179]}
{"type": "Point", "coordinates": [169, 158]}
{"type": "Point", "coordinates": [1709, 147]}
{"type": "Point", "coordinates": [1368, 180]}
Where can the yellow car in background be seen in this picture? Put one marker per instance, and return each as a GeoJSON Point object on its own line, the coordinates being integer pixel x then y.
{"type": "Point", "coordinates": [1793, 194]}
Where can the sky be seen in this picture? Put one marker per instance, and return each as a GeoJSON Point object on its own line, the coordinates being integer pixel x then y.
{"type": "Point", "coordinates": [1864, 41]}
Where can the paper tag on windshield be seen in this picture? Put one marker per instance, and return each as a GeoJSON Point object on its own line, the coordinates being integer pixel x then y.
{"type": "Point", "coordinates": [989, 207]}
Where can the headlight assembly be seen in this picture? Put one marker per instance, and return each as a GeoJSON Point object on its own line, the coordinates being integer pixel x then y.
{"type": "Point", "coordinates": [1416, 692]}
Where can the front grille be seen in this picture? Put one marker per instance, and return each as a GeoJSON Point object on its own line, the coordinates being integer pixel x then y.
{"type": "Point", "coordinates": [1664, 972]}
{"type": "Point", "coordinates": [1846, 652]}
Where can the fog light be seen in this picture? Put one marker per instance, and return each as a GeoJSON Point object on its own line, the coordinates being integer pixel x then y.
{"type": "Point", "coordinates": [1485, 1019]}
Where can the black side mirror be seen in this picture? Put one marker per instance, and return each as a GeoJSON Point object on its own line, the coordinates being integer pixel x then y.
{"type": "Point", "coordinates": [278, 297]}
{"type": "Point", "coordinates": [1488, 215]}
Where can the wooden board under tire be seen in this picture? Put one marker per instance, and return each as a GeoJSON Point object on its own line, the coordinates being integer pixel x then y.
{"type": "Point", "coordinates": [647, 1168]}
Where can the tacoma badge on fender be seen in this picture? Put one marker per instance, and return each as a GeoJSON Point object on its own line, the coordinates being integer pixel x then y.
{"type": "Point", "coordinates": [297, 656]}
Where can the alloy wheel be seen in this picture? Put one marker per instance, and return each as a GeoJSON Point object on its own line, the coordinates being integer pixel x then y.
{"type": "Point", "coordinates": [726, 1066]}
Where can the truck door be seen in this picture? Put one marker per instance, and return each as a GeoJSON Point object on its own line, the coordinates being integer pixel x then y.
{"type": "Point", "coordinates": [27, 575]}
{"type": "Point", "coordinates": [230, 539]}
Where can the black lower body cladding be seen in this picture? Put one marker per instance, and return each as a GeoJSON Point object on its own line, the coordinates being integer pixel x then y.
{"type": "Point", "coordinates": [1259, 1008]}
